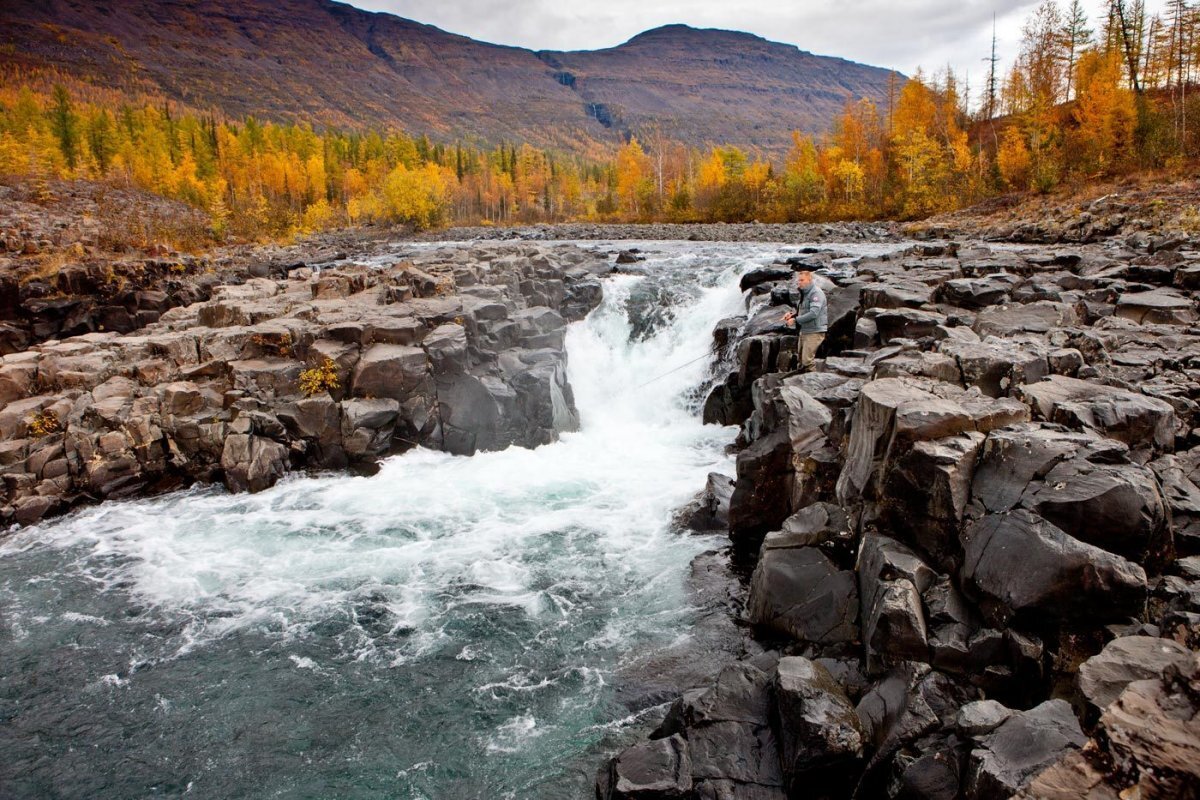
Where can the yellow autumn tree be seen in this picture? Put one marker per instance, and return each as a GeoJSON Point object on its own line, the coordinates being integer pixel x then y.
{"type": "Point", "coordinates": [1013, 159]}
{"type": "Point", "coordinates": [1105, 113]}
{"type": "Point", "coordinates": [633, 177]}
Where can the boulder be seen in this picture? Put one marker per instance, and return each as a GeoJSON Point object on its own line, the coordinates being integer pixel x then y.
{"type": "Point", "coordinates": [390, 371]}
{"type": "Point", "coordinates": [1104, 676]}
{"type": "Point", "coordinates": [1008, 757]}
{"type": "Point", "coordinates": [1157, 307]}
{"type": "Point", "coordinates": [1038, 317]}
{"type": "Point", "coordinates": [819, 734]}
{"type": "Point", "coordinates": [1021, 565]}
{"type": "Point", "coordinates": [891, 578]}
{"type": "Point", "coordinates": [659, 769]}
{"type": "Point", "coordinates": [799, 592]}
{"type": "Point", "coordinates": [710, 510]}
{"type": "Point", "coordinates": [1135, 419]}
{"type": "Point", "coordinates": [252, 463]}
{"type": "Point", "coordinates": [981, 717]}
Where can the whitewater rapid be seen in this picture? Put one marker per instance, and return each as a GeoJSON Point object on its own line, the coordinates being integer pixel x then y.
{"type": "Point", "coordinates": [449, 627]}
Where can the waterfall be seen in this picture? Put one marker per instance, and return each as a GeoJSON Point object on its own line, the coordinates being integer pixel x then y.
{"type": "Point", "coordinates": [449, 627]}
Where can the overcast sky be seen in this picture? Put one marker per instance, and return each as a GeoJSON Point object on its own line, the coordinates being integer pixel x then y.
{"type": "Point", "coordinates": [902, 34]}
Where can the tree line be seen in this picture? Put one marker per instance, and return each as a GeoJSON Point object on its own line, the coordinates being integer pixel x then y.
{"type": "Point", "coordinates": [1083, 101]}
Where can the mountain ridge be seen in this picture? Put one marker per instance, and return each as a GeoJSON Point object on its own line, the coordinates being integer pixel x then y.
{"type": "Point", "coordinates": [335, 64]}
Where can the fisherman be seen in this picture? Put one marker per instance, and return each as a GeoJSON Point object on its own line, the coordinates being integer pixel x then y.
{"type": "Point", "coordinates": [811, 318]}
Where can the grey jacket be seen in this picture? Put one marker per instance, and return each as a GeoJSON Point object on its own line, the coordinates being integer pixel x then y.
{"type": "Point", "coordinates": [812, 312]}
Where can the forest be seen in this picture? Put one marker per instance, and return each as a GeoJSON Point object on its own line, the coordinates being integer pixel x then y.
{"type": "Point", "coordinates": [1084, 101]}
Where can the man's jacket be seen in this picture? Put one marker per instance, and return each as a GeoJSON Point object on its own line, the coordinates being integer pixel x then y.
{"type": "Point", "coordinates": [812, 312]}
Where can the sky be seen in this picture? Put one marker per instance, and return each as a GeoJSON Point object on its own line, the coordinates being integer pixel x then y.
{"type": "Point", "coordinates": [901, 34]}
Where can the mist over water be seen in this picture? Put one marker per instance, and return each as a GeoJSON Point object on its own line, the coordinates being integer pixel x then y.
{"type": "Point", "coordinates": [447, 628]}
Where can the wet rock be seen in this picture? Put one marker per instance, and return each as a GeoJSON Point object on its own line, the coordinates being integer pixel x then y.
{"type": "Point", "coordinates": [659, 769]}
{"type": "Point", "coordinates": [1104, 676]}
{"type": "Point", "coordinates": [1020, 564]}
{"type": "Point", "coordinates": [1013, 753]}
{"type": "Point", "coordinates": [819, 734]}
{"type": "Point", "coordinates": [799, 592]}
{"type": "Point", "coordinates": [710, 510]}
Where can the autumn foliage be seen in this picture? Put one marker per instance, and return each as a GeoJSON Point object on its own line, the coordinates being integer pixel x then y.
{"type": "Point", "coordinates": [1077, 105]}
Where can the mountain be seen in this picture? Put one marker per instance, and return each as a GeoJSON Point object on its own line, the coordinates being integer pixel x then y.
{"type": "Point", "coordinates": [339, 65]}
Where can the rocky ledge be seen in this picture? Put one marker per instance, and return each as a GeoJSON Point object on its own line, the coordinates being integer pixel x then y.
{"type": "Point", "coordinates": [459, 349]}
{"type": "Point", "coordinates": [789, 232]}
{"type": "Point", "coordinates": [974, 535]}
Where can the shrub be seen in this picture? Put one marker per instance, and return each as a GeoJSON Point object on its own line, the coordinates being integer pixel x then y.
{"type": "Point", "coordinates": [321, 378]}
{"type": "Point", "coordinates": [44, 423]}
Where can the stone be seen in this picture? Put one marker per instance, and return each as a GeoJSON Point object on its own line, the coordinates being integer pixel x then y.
{"type": "Point", "coordinates": [655, 770]}
{"type": "Point", "coordinates": [800, 592]}
{"type": "Point", "coordinates": [1153, 732]}
{"type": "Point", "coordinates": [1116, 507]}
{"type": "Point", "coordinates": [710, 510]}
{"type": "Point", "coordinates": [891, 578]}
{"type": "Point", "coordinates": [818, 732]}
{"type": "Point", "coordinates": [1157, 307]}
{"type": "Point", "coordinates": [252, 463]}
{"type": "Point", "coordinates": [1022, 565]}
{"type": "Point", "coordinates": [994, 367]}
{"type": "Point", "coordinates": [980, 717]}
{"type": "Point", "coordinates": [1129, 417]}
{"type": "Point", "coordinates": [390, 371]}
{"type": "Point", "coordinates": [1104, 676]}
{"type": "Point", "coordinates": [927, 492]}
{"type": "Point", "coordinates": [1007, 758]}
{"type": "Point", "coordinates": [1038, 317]}
{"type": "Point", "coordinates": [907, 323]}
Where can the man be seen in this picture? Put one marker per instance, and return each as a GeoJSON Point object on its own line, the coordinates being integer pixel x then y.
{"type": "Point", "coordinates": [811, 318]}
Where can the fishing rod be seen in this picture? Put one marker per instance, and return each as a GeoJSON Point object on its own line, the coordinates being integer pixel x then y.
{"type": "Point", "coordinates": [668, 372]}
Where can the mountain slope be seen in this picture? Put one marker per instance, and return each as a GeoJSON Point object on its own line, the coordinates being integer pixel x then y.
{"type": "Point", "coordinates": [336, 64]}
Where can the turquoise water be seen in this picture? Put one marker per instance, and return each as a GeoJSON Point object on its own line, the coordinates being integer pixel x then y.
{"type": "Point", "coordinates": [447, 628]}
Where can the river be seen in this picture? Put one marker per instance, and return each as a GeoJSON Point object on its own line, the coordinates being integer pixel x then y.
{"type": "Point", "coordinates": [447, 628]}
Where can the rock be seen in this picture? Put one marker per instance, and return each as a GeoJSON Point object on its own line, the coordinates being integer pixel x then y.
{"type": "Point", "coordinates": [736, 752]}
{"type": "Point", "coordinates": [1158, 307]}
{"type": "Point", "coordinates": [891, 578]}
{"type": "Point", "coordinates": [660, 769]}
{"type": "Point", "coordinates": [761, 275]}
{"type": "Point", "coordinates": [1104, 676]}
{"type": "Point", "coordinates": [252, 463]}
{"type": "Point", "coordinates": [927, 492]}
{"type": "Point", "coordinates": [1129, 417]}
{"type": "Point", "coordinates": [1020, 747]}
{"type": "Point", "coordinates": [710, 510]}
{"type": "Point", "coordinates": [1010, 320]}
{"type": "Point", "coordinates": [1022, 565]}
{"type": "Point", "coordinates": [1113, 506]}
{"type": "Point", "coordinates": [995, 368]}
{"type": "Point", "coordinates": [760, 496]}
{"type": "Point", "coordinates": [907, 324]}
{"type": "Point", "coordinates": [800, 592]}
{"type": "Point", "coordinates": [819, 734]}
{"type": "Point", "coordinates": [1153, 733]}
{"type": "Point", "coordinates": [390, 371]}
{"type": "Point", "coordinates": [981, 717]}
{"type": "Point", "coordinates": [977, 293]}
{"type": "Point", "coordinates": [1182, 497]}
